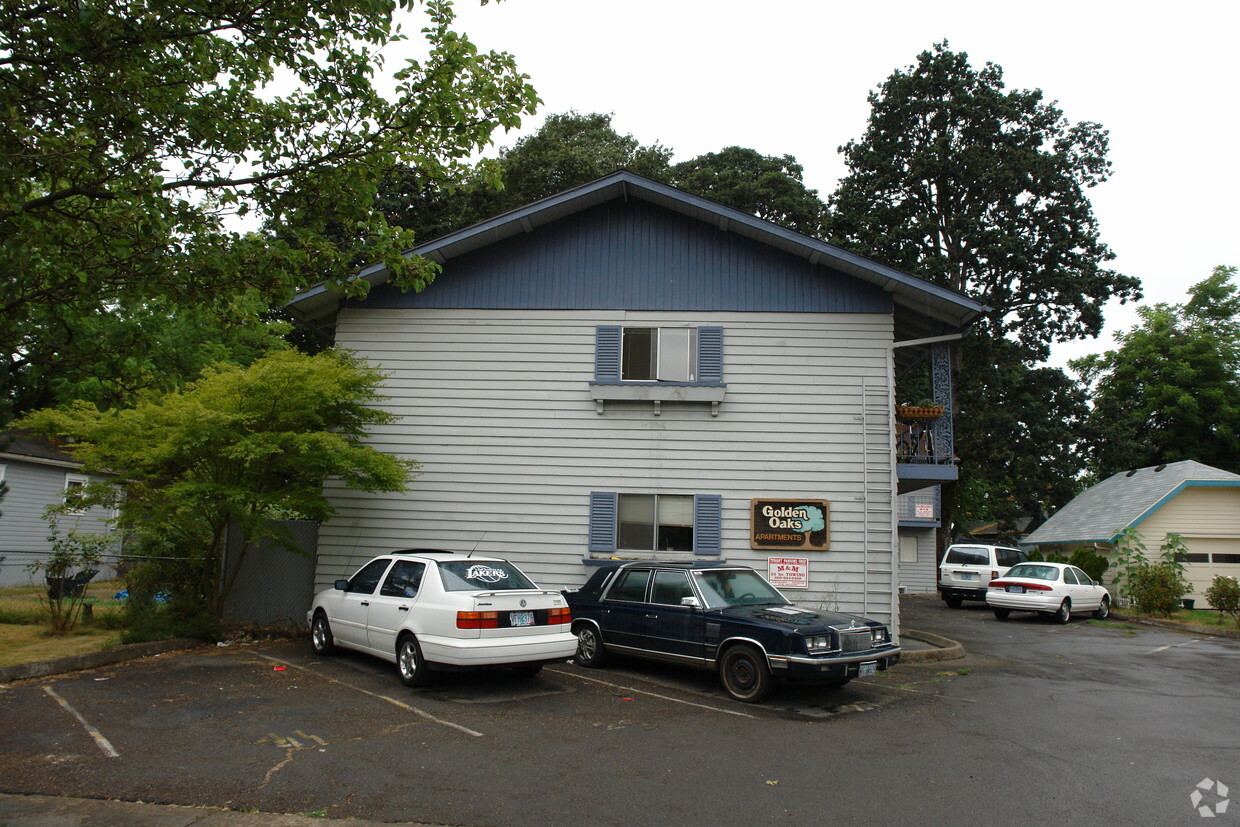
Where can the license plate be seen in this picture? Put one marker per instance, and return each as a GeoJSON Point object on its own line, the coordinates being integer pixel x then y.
{"type": "Point", "coordinates": [967, 575]}
{"type": "Point", "coordinates": [520, 618]}
{"type": "Point", "coordinates": [868, 669]}
{"type": "Point", "coordinates": [1016, 589]}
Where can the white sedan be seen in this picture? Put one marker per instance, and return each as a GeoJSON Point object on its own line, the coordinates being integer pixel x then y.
{"type": "Point", "coordinates": [435, 610]}
{"type": "Point", "coordinates": [1055, 589]}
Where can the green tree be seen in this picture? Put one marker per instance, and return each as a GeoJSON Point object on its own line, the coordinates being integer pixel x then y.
{"type": "Point", "coordinates": [238, 446]}
{"type": "Point", "coordinates": [982, 190]}
{"type": "Point", "coordinates": [134, 130]}
{"type": "Point", "coordinates": [763, 185]}
{"type": "Point", "coordinates": [568, 150]}
{"type": "Point", "coordinates": [1170, 391]}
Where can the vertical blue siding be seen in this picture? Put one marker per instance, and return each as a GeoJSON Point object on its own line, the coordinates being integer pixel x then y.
{"type": "Point", "coordinates": [635, 256]}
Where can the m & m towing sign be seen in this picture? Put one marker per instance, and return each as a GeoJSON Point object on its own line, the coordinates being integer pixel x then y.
{"type": "Point", "coordinates": [788, 572]}
{"type": "Point", "coordinates": [790, 524]}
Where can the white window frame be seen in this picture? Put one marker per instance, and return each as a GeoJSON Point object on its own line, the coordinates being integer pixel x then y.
{"type": "Point", "coordinates": [673, 354]}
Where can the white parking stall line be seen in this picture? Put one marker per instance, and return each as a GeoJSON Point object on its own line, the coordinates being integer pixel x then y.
{"type": "Point", "coordinates": [1172, 646]}
{"type": "Point", "coordinates": [653, 694]}
{"type": "Point", "coordinates": [100, 741]}
{"type": "Point", "coordinates": [421, 712]}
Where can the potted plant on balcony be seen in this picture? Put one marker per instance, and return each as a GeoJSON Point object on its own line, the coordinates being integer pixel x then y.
{"type": "Point", "coordinates": [924, 410]}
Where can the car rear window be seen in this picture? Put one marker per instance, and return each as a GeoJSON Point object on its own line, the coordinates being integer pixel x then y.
{"type": "Point", "coordinates": [1010, 556]}
{"type": "Point", "coordinates": [1033, 571]}
{"type": "Point", "coordinates": [482, 575]}
{"type": "Point", "coordinates": [967, 557]}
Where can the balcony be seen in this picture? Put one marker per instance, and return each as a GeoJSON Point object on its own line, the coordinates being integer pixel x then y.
{"type": "Point", "coordinates": [924, 437]}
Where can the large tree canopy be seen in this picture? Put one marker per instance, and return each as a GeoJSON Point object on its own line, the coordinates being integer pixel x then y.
{"type": "Point", "coordinates": [571, 149]}
{"type": "Point", "coordinates": [762, 185]}
{"type": "Point", "coordinates": [132, 130]}
{"type": "Point", "coordinates": [568, 150]}
{"type": "Point", "coordinates": [1171, 390]}
{"type": "Point", "coordinates": [982, 189]}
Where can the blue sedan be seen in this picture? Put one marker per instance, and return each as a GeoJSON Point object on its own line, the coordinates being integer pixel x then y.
{"type": "Point", "coordinates": [726, 618]}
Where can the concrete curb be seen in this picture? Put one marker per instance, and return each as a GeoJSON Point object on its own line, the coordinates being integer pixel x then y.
{"type": "Point", "coordinates": [1180, 627]}
{"type": "Point", "coordinates": [92, 660]}
{"type": "Point", "coordinates": [944, 648]}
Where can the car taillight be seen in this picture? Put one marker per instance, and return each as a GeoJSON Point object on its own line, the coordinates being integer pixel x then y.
{"type": "Point", "coordinates": [994, 575]}
{"type": "Point", "coordinates": [477, 620]}
{"type": "Point", "coordinates": [560, 615]}
{"type": "Point", "coordinates": [1029, 587]}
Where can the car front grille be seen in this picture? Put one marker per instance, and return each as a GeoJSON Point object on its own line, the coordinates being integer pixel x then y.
{"type": "Point", "coordinates": [855, 640]}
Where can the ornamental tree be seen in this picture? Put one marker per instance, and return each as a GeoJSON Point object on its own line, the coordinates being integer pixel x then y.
{"type": "Point", "coordinates": [239, 446]}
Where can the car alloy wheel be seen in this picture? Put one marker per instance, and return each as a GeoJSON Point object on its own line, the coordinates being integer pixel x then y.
{"type": "Point", "coordinates": [589, 647]}
{"type": "Point", "coordinates": [413, 671]}
{"type": "Point", "coordinates": [321, 636]}
{"type": "Point", "coordinates": [1104, 609]}
{"type": "Point", "coordinates": [744, 674]}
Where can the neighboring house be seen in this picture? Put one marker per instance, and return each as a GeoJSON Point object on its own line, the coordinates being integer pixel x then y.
{"type": "Point", "coordinates": [38, 474]}
{"type": "Point", "coordinates": [1196, 501]}
{"type": "Point", "coordinates": [627, 371]}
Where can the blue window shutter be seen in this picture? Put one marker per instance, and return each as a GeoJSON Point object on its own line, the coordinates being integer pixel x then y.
{"type": "Point", "coordinates": [607, 353]}
{"type": "Point", "coordinates": [710, 354]}
{"type": "Point", "coordinates": [707, 529]}
{"type": "Point", "coordinates": [602, 521]}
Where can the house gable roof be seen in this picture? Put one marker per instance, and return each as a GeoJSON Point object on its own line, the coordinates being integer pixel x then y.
{"type": "Point", "coordinates": [1125, 499]}
{"type": "Point", "coordinates": [940, 310]}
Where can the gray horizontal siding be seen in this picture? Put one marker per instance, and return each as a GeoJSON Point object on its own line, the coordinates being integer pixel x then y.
{"type": "Point", "coordinates": [496, 406]}
{"type": "Point", "coordinates": [23, 528]}
{"type": "Point", "coordinates": [636, 256]}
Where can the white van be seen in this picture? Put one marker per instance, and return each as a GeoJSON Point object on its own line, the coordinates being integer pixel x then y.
{"type": "Point", "coordinates": [967, 570]}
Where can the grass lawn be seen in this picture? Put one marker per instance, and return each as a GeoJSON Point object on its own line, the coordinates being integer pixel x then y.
{"type": "Point", "coordinates": [25, 624]}
{"type": "Point", "coordinates": [29, 644]}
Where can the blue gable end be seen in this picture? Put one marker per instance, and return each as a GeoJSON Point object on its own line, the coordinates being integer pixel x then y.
{"type": "Point", "coordinates": [635, 256]}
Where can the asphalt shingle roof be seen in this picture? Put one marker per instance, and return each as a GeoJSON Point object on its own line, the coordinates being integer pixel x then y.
{"type": "Point", "coordinates": [1099, 513]}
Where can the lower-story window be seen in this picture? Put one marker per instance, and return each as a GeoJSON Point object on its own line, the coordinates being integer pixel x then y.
{"type": "Point", "coordinates": [655, 522]}
{"type": "Point", "coordinates": [652, 523]}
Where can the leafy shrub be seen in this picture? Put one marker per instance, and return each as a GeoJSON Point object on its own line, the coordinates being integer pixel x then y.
{"type": "Point", "coordinates": [1095, 565]}
{"type": "Point", "coordinates": [1224, 595]}
{"type": "Point", "coordinates": [1156, 588]}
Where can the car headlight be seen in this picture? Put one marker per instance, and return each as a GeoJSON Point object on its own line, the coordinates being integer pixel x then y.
{"type": "Point", "coordinates": [880, 635]}
{"type": "Point", "coordinates": [818, 643]}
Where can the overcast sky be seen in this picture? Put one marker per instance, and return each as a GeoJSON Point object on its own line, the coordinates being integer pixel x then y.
{"type": "Point", "coordinates": [791, 77]}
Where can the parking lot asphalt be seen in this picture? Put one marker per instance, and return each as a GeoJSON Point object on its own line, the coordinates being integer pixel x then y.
{"type": "Point", "coordinates": [240, 732]}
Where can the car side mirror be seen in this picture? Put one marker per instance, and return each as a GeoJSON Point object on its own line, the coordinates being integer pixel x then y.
{"type": "Point", "coordinates": [342, 585]}
{"type": "Point", "coordinates": [691, 602]}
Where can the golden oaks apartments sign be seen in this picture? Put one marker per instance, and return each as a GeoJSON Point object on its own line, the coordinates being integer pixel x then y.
{"type": "Point", "coordinates": [790, 524]}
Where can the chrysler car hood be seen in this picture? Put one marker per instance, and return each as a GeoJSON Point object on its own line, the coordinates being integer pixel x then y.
{"type": "Point", "coordinates": [796, 617]}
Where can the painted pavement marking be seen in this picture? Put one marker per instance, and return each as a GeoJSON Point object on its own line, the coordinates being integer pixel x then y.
{"type": "Point", "coordinates": [392, 701]}
{"type": "Point", "coordinates": [100, 741]}
{"type": "Point", "coordinates": [653, 694]}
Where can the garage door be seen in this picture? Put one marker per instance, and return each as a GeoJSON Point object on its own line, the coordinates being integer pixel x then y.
{"type": "Point", "coordinates": [1209, 556]}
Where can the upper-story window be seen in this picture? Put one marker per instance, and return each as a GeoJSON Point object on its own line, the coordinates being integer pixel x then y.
{"type": "Point", "coordinates": [661, 354]}
{"type": "Point", "coordinates": [690, 355]}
